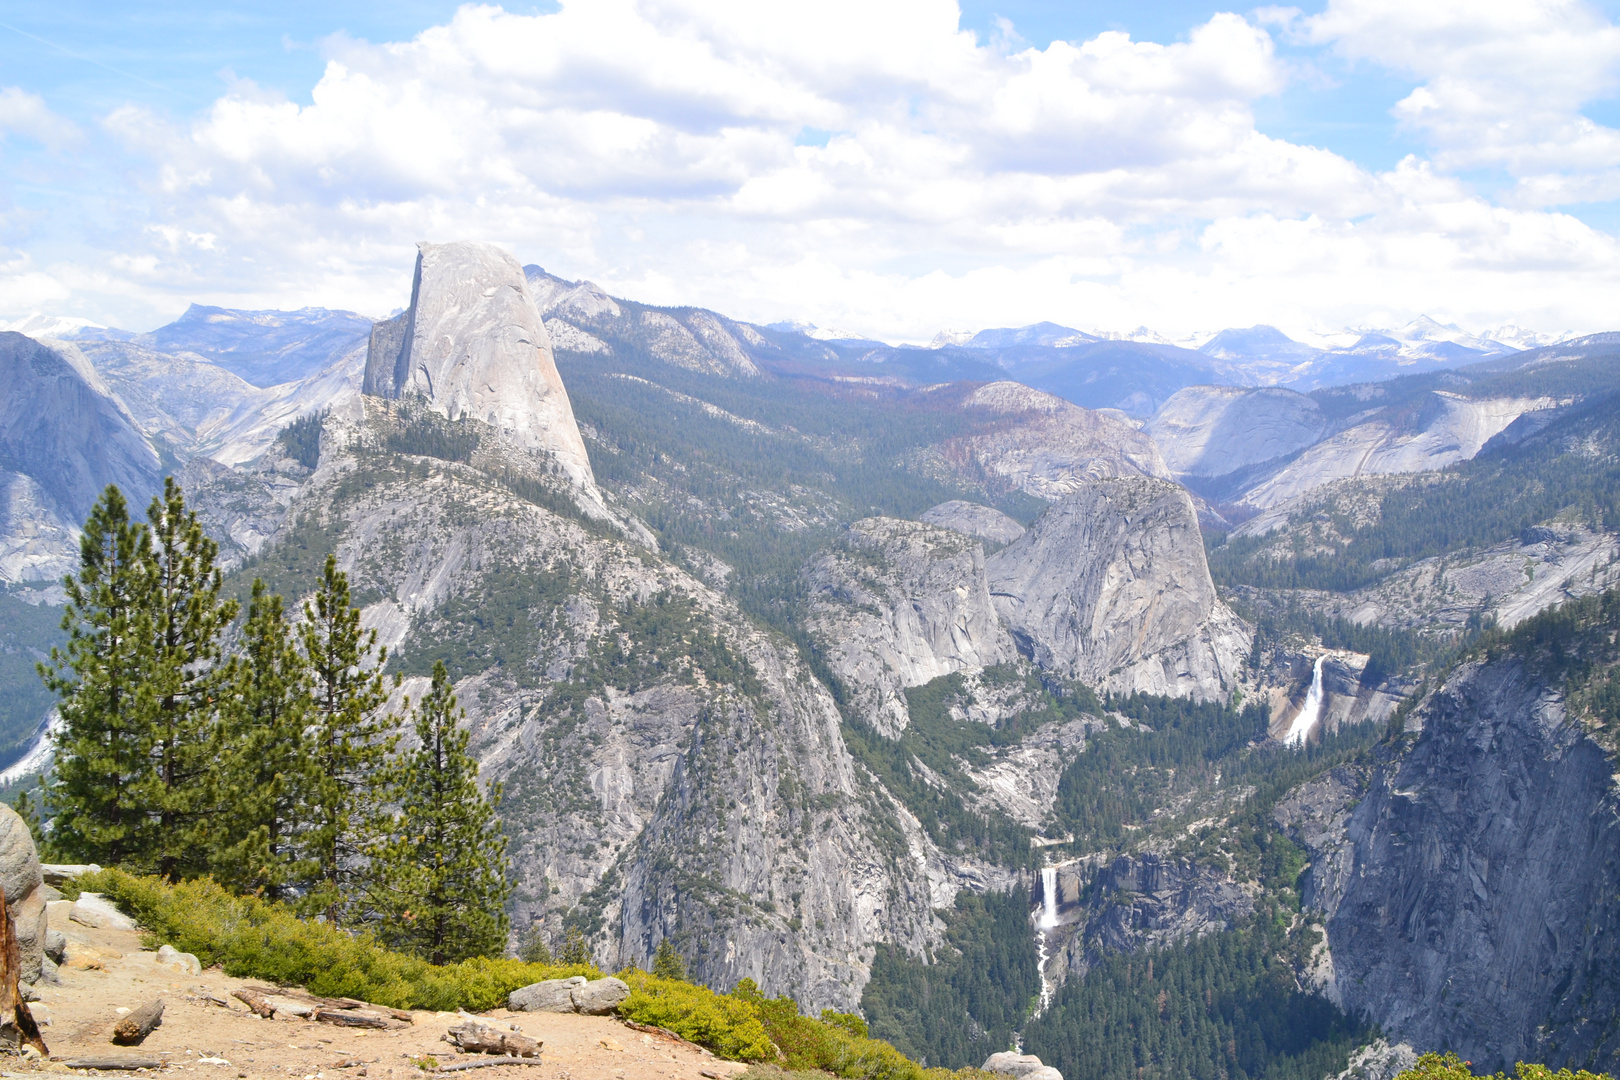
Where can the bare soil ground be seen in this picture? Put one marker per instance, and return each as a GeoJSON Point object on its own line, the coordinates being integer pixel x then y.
{"type": "Point", "coordinates": [107, 970]}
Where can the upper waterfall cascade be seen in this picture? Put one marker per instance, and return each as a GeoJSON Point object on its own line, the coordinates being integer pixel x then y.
{"type": "Point", "coordinates": [1310, 712]}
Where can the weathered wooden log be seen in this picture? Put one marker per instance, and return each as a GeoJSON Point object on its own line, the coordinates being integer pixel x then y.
{"type": "Point", "coordinates": [485, 1063]}
{"type": "Point", "coordinates": [13, 1009]}
{"type": "Point", "coordinates": [476, 1038]}
{"type": "Point", "coordinates": [330, 1003]}
{"type": "Point", "coordinates": [255, 1001]}
{"type": "Point", "coordinates": [112, 1063]}
{"type": "Point", "coordinates": [139, 1024]}
{"type": "Point", "coordinates": [347, 1018]}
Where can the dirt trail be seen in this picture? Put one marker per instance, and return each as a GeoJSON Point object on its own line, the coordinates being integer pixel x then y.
{"type": "Point", "coordinates": [106, 970]}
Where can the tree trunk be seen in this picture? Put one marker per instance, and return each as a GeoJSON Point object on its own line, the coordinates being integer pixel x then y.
{"type": "Point", "coordinates": [139, 1024]}
{"type": "Point", "coordinates": [13, 1009]}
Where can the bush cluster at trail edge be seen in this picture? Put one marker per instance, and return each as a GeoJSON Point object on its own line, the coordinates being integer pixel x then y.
{"type": "Point", "coordinates": [253, 938]}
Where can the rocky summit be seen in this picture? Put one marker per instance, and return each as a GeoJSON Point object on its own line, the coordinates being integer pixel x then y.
{"type": "Point", "coordinates": [1111, 586]}
{"type": "Point", "coordinates": [473, 345]}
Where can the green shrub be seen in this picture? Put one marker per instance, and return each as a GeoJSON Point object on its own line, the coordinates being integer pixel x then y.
{"type": "Point", "coordinates": [1451, 1067]}
{"type": "Point", "coordinates": [253, 938]}
{"type": "Point", "coordinates": [727, 1025]}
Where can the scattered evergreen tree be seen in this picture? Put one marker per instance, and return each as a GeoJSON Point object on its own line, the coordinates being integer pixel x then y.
{"type": "Point", "coordinates": [535, 949]}
{"type": "Point", "coordinates": [574, 948]}
{"type": "Point", "coordinates": [440, 877]}
{"type": "Point", "coordinates": [101, 749]}
{"type": "Point", "coordinates": [349, 746]}
{"type": "Point", "coordinates": [178, 692]}
{"type": "Point", "coordinates": [24, 805]}
{"type": "Point", "coordinates": [667, 963]}
{"type": "Point", "coordinates": [263, 762]}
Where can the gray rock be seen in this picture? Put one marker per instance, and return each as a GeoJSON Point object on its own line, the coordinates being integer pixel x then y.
{"type": "Point", "coordinates": [551, 995]}
{"type": "Point", "coordinates": [1470, 882]}
{"type": "Point", "coordinates": [898, 604]}
{"type": "Point", "coordinates": [96, 911]}
{"type": "Point", "coordinates": [62, 873]}
{"type": "Point", "coordinates": [984, 522]}
{"type": "Point", "coordinates": [1021, 1066]}
{"type": "Point", "coordinates": [1215, 430]}
{"type": "Point", "coordinates": [600, 996]}
{"type": "Point", "coordinates": [1111, 586]}
{"type": "Point", "coordinates": [184, 962]}
{"type": "Point", "coordinates": [1380, 1060]}
{"type": "Point", "coordinates": [48, 973]}
{"type": "Point", "coordinates": [55, 944]}
{"type": "Point", "coordinates": [473, 345]}
{"type": "Point", "coordinates": [20, 878]}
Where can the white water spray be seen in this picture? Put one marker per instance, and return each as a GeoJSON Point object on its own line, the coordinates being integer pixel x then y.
{"type": "Point", "coordinates": [1044, 925]}
{"type": "Point", "coordinates": [1310, 712]}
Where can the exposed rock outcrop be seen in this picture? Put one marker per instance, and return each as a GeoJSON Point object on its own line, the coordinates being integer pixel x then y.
{"type": "Point", "coordinates": [898, 604]}
{"type": "Point", "coordinates": [972, 519]}
{"type": "Point", "coordinates": [22, 883]}
{"type": "Point", "coordinates": [1020, 1066]}
{"type": "Point", "coordinates": [1111, 586]}
{"type": "Point", "coordinates": [1045, 445]}
{"type": "Point", "coordinates": [63, 426]}
{"type": "Point", "coordinates": [473, 345]}
{"type": "Point", "coordinates": [1469, 884]}
{"type": "Point", "coordinates": [1141, 901]}
{"type": "Point", "coordinates": [1215, 430]}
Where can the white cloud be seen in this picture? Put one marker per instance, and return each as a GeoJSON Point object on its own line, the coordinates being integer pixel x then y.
{"type": "Point", "coordinates": [651, 145]}
{"type": "Point", "coordinates": [23, 113]}
{"type": "Point", "coordinates": [1503, 84]}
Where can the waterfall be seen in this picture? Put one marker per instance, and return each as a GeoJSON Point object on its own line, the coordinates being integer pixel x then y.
{"type": "Point", "coordinates": [1310, 712]}
{"type": "Point", "coordinates": [1043, 926]}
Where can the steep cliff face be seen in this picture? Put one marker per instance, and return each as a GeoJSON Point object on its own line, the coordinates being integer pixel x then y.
{"type": "Point", "coordinates": [1470, 884]}
{"type": "Point", "coordinates": [1145, 900]}
{"type": "Point", "coordinates": [1111, 586]}
{"type": "Point", "coordinates": [898, 604]}
{"type": "Point", "coordinates": [473, 345]}
{"type": "Point", "coordinates": [64, 436]}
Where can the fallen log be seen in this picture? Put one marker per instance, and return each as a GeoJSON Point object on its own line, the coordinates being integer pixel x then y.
{"type": "Point", "coordinates": [139, 1024]}
{"type": "Point", "coordinates": [665, 1033]}
{"type": "Point", "coordinates": [106, 1064]}
{"type": "Point", "coordinates": [485, 1063]}
{"type": "Point", "coordinates": [255, 1001]}
{"type": "Point", "coordinates": [346, 1004]}
{"type": "Point", "coordinates": [345, 1018]}
{"type": "Point", "coordinates": [478, 1038]}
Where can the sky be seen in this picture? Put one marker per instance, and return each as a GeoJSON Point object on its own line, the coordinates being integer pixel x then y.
{"type": "Point", "coordinates": [887, 167]}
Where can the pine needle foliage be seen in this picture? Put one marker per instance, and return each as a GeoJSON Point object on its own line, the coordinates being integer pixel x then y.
{"type": "Point", "coordinates": [263, 759]}
{"type": "Point", "coordinates": [97, 815]}
{"type": "Point", "coordinates": [441, 875]}
{"type": "Point", "coordinates": [350, 741]}
{"type": "Point", "coordinates": [667, 963]}
{"type": "Point", "coordinates": [176, 698]}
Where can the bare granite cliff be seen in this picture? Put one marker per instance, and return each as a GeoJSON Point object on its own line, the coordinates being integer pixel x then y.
{"type": "Point", "coordinates": [472, 344]}
{"type": "Point", "coordinates": [898, 604]}
{"type": "Point", "coordinates": [64, 436]}
{"type": "Point", "coordinates": [1470, 883]}
{"type": "Point", "coordinates": [1111, 586]}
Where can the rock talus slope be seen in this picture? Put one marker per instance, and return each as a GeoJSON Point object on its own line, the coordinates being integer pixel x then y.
{"type": "Point", "coordinates": [1111, 586]}
{"type": "Point", "coordinates": [1469, 885]}
{"type": "Point", "coordinates": [473, 345]}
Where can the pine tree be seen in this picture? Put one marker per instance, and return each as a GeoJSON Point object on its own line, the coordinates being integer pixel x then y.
{"type": "Point", "coordinates": [101, 749]}
{"type": "Point", "coordinates": [263, 766]}
{"type": "Point", "coordinates": [178, 696]}
{"type": "Point", "coordinates": [350, 740]}
{"type": "Point", "coordinates": [440, 878]}
{"type": "Point", "coordinates": [667, 963]}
